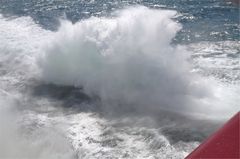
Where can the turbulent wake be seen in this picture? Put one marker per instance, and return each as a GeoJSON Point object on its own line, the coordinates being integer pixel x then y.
{"type": "Point", "coordinates": [106, 87]}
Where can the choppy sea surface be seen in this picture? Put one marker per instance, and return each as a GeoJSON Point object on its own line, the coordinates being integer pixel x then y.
{"type": "Point", "coordinates": [86, 79]}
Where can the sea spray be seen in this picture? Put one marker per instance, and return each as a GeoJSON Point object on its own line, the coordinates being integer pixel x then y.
{"type": "Point", "coordinates": [127, 60]}
{"type": "Point", "coordinates": [129, 72]}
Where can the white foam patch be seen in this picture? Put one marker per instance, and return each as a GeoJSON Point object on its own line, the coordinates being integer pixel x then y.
{"type": "Point", "coordinates": [219, 63]}
{"type": "Point", "coordinates": [218, 59]}
{"type": "Point", "coordinates": [95, 137]}
{"type": "Point", "coordinates": [20, 134]}
{"type": "Point", "coordinates": [30, 137]}
{"type": "Point", "coordinates": [21, 40]}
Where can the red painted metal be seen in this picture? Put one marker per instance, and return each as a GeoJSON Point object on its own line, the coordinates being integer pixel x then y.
{"type": "Point", "coordinates": [223, 144]}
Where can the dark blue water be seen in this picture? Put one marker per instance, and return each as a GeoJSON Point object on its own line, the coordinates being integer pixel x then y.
{"type": "Point", "coordinates": [202, 20]}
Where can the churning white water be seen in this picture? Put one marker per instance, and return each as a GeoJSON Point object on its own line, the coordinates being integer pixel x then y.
{"type": "Point", "coordinates": [129, 58]}
{"type": "Point", "coordinates": [127, 65]}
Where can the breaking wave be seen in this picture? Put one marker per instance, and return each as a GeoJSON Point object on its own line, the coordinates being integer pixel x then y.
{"type": "Point", "coordinates": [127, 60]}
